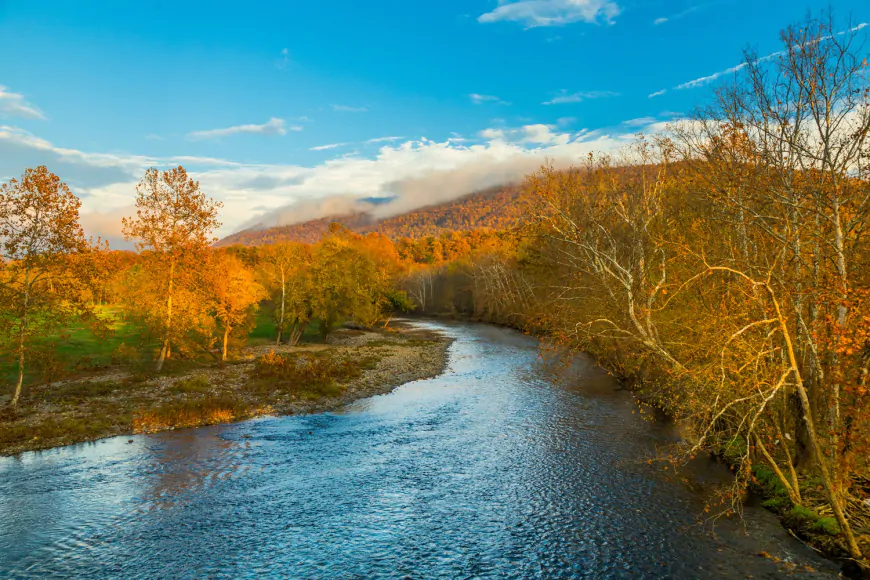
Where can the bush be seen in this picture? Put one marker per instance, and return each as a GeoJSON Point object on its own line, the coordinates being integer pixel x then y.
{"type": "Point", "coordinates": [309, 373]}
{"type": "Point", "coordinates": [777, 504]}
{"type": "Point", "coordinates": [734, 449]}
{"type": "Point", "coordinates": [101, 421]}
{"type": "Point", "coordinates": [198, 384]}
{"type": "Point", "coordinates": [186, 413]}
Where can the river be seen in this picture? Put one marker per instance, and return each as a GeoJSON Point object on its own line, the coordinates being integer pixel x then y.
{"type": "Point", "coordinates": [490, 470]}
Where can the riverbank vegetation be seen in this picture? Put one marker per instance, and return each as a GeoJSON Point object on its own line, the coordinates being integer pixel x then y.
{"type": "Point", "coordinates": [261, 380]}
{"type": "Point", "coordinates": [720, 268]}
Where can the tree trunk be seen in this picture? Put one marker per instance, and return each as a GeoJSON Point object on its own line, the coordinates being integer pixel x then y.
{"type": "Point", "coordinates": [22, 331]}
{"type": "Point", "coordinates": [226, 340]}
{"type": "Point", "coordinates": [842, 311]}
{"type": "Point", "coordinates": [827, 480]}
{"type": "Point", "coordinates": [803, 455]}
{"type": "Point", "coordinates": [164, 352]}
{"type": "Point", "coordinates": [283, 299]}
{"type": "Point", "coordinates": [296, 334]}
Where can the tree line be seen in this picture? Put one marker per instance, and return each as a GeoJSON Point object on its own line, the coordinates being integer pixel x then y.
{"type": "Point", "coordinates": [189, 297]}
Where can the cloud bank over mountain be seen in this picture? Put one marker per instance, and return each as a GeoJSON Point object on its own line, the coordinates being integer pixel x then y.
{"type": "Point", "coordinates": [409, 174]}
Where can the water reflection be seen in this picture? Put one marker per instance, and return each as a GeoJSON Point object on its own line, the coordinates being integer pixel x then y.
{"type": "Point", "coordinates": [487, 471]}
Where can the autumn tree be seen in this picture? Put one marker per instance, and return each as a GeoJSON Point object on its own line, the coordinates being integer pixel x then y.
{"type": "Point", "coordinates": [173, 228]}
{"type": "Point", "coordinates": [347, 282]}
{"type": "Point", "coordinates": [285, 268]}
{"type": "Point", "coordinates": [782, 156]}
{"type": "Point", "coordinates": [39, 292]}
{"type": "Point", "coordinates": [233, 294]}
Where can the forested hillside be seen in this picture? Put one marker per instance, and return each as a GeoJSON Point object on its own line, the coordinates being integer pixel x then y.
{"type": "Point", "coordinates": [496, 208]}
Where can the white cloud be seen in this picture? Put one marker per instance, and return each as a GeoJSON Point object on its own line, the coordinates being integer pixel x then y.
{"type": "Point", "coordinates": [657, 94]}
{"type": "Point", "coordinates": [535, 134]}
{"type": "Point", "coordinates": [731, 70]}
{"type": "Point", "coordinates": [478, 99]}
{"type": "Point", "coordinates": [348, 109]}
{"type": "Point", "coordinates": [384, 139]}
{"type": "Point", "coordinates": [640, 122]}
{"type": "Point", "coordinates": [564, 97]}
{"type": "Point", "coordinates": [415, 172]}
{"type": "Point", "coordinates": [543, 135]}
{"type": "Point", "coordinates": [492, 134]}
{"type": "Point", "coordinates": [15, 105]}
{"type": "Point", "coordinates": [683, 13]}
{"type": "Point", "coordinates": [330, 146]}
{"type": "Point", "coordinates": [273, 126]}
{"type": "Point", "coordinates": [710, 78]}
{"type": "Point", "coordinates": [534, 13]}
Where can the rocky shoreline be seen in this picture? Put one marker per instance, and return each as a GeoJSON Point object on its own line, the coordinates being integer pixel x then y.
{"type": "Point", "coordinates": [113, 404]}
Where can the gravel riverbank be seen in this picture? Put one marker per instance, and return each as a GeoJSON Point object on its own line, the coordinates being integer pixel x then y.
{"type": "Point", "coordinates": [120, 403]}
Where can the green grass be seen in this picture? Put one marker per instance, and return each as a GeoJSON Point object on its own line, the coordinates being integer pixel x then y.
{"type": "Point", "coordinates": [827, 525]}
{"type": "Point", "coordinates": [265, 330]}
{"type": "Point", "coordinates": [769, 482]}
{"type": "Point", "coordinates": [198, 384]}
{"type": "Point", "coordinates": [803, 518]}
{"type": "Point", "coordinates": [76, 349]}
{"type": "Point", "coordinates": [80, 342]}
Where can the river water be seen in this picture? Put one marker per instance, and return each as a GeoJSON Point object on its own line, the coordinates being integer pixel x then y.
{"type": "Point", "coordinates": [488, 471]}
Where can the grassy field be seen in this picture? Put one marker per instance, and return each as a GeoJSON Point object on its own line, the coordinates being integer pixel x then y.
{"type": "Point", "coordinates": [76, 348]}
{"type": "Point", "coordinates": [266, 330]}
{"type": "Point", "coordinates": [77, 351]}
{"type": "Point", "coordinates": [188, 393]}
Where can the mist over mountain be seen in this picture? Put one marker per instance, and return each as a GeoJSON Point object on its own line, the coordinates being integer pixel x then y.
{"type": "Point", "coordinates": [495, 208]}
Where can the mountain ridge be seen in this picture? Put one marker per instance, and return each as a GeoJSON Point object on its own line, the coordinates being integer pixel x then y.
{"type": "Point", "coordinates": [494, 208]}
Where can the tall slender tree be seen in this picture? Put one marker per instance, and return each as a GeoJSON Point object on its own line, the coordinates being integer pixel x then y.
{"type": "Point", "coordinates": [284, 267]}
{"type": "Point", "coordinates": [39, 230]}
{"type": "Point", "coordinates": [174, 223]}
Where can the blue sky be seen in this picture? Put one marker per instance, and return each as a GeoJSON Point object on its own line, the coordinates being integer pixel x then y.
{"type": "Point", "coordinates": [286, 110]}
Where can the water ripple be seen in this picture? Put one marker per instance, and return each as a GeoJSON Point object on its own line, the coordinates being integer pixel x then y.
{"type": "Point", "coordinates": [489, 471]}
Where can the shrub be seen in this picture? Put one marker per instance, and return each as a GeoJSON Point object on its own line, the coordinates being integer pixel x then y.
{"type": "Point", "coordinates": [198, 384]}
{"type": "Point", "coordinates": [306, 374]}
{"type": "Point", "coordinates": [186, 413]}
{"type": "Point", "coordinates": [772, 487]}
